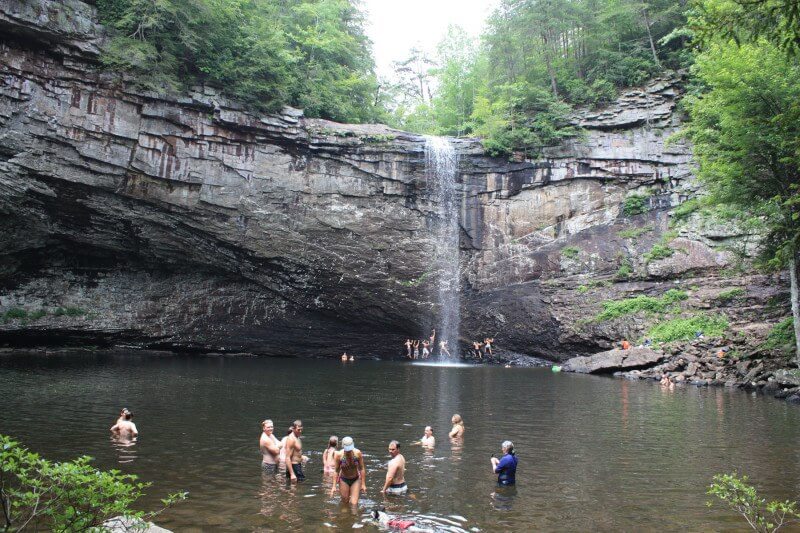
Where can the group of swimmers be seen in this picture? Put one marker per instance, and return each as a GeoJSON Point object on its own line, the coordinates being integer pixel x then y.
{"type": "Point", "coordinates": [428, 345]}
{"type": "Point", "coordinates": [346, 466]}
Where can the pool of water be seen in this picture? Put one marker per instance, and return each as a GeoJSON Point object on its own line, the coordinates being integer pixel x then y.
{"type": "Point", "coordinates": [594, 453]}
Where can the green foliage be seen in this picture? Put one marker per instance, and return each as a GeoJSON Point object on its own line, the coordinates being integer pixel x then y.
{"type": "Point", "coordinates": [70, 496]}
{"type": "Point", "coordinates": [312, 54]}
{"type": "Point", "coordinates": [69, 311]}
{"type": "Point", "coordinates": [686, 328]}
{"type": "Point", "coordinates": [15, 313]}
{"type": "Point", "coordinates": [618, 308]}
{"type": "Point", "coordinates": [684, 210]}
{"type": "Point", "coordinates": [36, 315]}
{"type": "Point", "coordinates": [582, 289]}
{"type": "Point", "coordinates": [658, 251]}
{"type": "Point", "coordinates": [635, 233]}
{"type": "Point", "coordinates": [570, 252]}
{"type": "Point", "coordinates": [781, 337]}
{"type": "Point", "coordinates": [416, 281]}
{"type": "Point", "coordinates": [625, 270]}
{"type": "Point", "coordinates": [635, 204]}
{"type": "Point", "coordinates": [730, 295]}
{"type": "Point", "coordinates": [744, 499]}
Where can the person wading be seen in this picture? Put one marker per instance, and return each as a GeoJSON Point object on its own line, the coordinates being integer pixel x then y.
{"type": "Point", "coordinates": [270, 447]}
{"type": "Point", "coordinates": [294, 453]}
{"type": "Point", "coordinates": [351, 473]}
{"type": "Point", "coordinates": [395, 476]}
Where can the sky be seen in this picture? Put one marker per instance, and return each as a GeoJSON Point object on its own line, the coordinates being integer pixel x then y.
{"type": "Point", "coordinates": [395, 26]}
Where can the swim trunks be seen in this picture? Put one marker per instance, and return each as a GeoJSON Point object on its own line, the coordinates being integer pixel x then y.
{"type": "Point", "coordinates": [397, 488]}
{"type": "Point", "coordinates": [269, 468]}
{"type": "Point", "coordinates": [298, 471]}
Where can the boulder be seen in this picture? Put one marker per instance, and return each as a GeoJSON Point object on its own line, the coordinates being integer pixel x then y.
{"type": "Point", "coordinates": [122, 524]}
{"type": "Point", "coordinates": [788, 377]}
{"type": "Point", "coordinates": [613, 360]}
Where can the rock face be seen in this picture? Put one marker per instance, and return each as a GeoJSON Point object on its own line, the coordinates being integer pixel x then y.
{"type": "Point", "coordinates": [185, 222]}
{"type": "Point", "coordinates": [614, 360]}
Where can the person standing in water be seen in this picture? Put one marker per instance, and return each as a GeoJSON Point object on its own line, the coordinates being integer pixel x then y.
{"type": "Point", "coordinates": [395, 476]}
{"type": "Point", "coordinates": [506, 467]}
{"type": "Point", "coordinates": [351, 473]}
{"type": "Point", "coordinates": [125, 429]}
{"type": "Point", "coordinates": [294, 453]}
{"type": "Point", "coordinates": [329, 455]}
{"type": "Point", "coordinates": [408, 347]}
{"type": "Point", "coordinates": [416, 350]}
{"type": "Point", "coordinates": [270, 447]}
{"type": "Point", "coordinates": [458, 427]}
{"type": "Point", "coordinates": [427, 440]}
{"type": "Point", "coordinates": [432, 338]}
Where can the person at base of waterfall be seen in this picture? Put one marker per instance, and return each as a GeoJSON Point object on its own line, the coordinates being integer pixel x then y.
{"type": "Point", "coordinates": [427, 440]}
{"type": "Point", "coordinates": [124, 428]}
{"type": "Point", "coordinates": [432, 338]}
{"type": "Point", "coordinates": [458, 427]}
{"type": "Point", "coordinates": [476, 346]}
{"type": "Point", "coordinates": [426, 349]}
{"type": "Point", "coordinates": [352, 358]}
{"type": "Point", "coordinates": [270, 447]}
{"type": "Point", "coordinates": [329, 455]}
{"type": "Point", "coordinates": [416, 349]}
{"type": "Point", "coordinates": [294, 453]}
{"type": "Point", "coordinates": [506, 467]}
{"type": "Point", "coordinates": [351, 473]}
{"type": "Point", "coordinates": [395, 475]}
{"type": "Point", "coordinates": [408, 344]}
{"type": "Point", "coordinates": [344, 356]}
{"type": "Point", "coordinates": [487, 343]}
{"type": "Point", "coordinates": [443, 348]}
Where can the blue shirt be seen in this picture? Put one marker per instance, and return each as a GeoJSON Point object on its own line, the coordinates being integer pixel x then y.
{"type": "Point", "coordinates": [506, 470]}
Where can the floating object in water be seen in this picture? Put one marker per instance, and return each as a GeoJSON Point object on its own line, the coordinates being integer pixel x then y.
{"type": "Point", "coordinates": [555, 368]}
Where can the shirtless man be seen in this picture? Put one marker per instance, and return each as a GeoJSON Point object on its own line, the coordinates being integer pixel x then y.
{"type": "Point", "coordinates": [294, 453]}
{"type": "Point", "coordinates": [476, 345]}
{"type": "Point", "coordinates": [425, 349]}
{"type": "Point", "coordinates": [344, 356]}
{"type": "Point", "coordinates": [433, 340]}
{"type": "Point", "coordinates": [427, 440]}
{"type": "Point", "coordinates": [408, 347]}
{"type": "Point", "coordinates": [395, 476]}
{"type": "Point", "coordinates": [124, 428]}
{"type": "Point", "coordinates": [443, 348]}
{"type": "Point", "coordinates": [270, 447]}
{"type": "Point", "coordinates": [487, 343]}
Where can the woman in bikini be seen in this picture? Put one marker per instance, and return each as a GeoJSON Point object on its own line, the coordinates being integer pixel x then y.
{"type": "Point", "coordinates": [351, 473]}
{"type": "Point", "coordinates": [329, 455]}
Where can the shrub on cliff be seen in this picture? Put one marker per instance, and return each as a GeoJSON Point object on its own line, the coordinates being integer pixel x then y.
{"type": "Point", "coordinates": [70, 496]}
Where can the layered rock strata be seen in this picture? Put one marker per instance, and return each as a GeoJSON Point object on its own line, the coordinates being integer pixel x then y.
{"type": "Point", "coordinates": [186, 222]}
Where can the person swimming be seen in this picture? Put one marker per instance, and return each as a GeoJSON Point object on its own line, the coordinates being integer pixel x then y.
{"type": "Point", "coordinates": [125, 429]}
{"type": "Point", "coordinates": [329, 455]}
{"type": "Point", "coordinates": [351, 473]}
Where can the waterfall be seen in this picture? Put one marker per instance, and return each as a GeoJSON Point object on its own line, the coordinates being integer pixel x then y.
{"type": "Point", "coordinates": [441, 164]}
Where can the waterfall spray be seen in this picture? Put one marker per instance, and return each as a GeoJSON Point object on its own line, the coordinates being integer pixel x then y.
{"type": "Point", "coordinates": [441, 166]}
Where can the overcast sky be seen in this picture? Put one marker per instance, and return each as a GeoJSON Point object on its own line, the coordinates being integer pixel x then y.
{"type": "Point", "coordinates": [395, 26]}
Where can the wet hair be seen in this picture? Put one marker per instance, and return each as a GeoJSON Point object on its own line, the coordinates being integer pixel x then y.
{"type": "Point", "coordinates": [508, 446]}
{"type": "Point", "coordinates": [396, 444]}
{"type": "Point", "coordinates": [296, 423]}
{"type": "Point", "coordinates": [333, 442]}
{"type": "Point", "coordinates": [457, 420]}
{"type": "Point", "coordinates": [127, 415]}
{"type": "Point", "coordinates": [265, 422]}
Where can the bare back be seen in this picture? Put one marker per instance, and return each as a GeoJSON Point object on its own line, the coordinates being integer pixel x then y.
{"type": "Point", "coordinates": [397, 469]}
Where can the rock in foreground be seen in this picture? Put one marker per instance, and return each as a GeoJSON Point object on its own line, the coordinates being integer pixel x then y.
{"type": "Point", "coordinates": [614, 360]}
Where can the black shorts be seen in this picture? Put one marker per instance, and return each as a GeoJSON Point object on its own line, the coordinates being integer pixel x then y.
{"type": "Point", "coordinates": [298, 471]}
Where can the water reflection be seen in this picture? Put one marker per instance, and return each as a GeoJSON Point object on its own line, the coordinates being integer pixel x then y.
{"type": "Point", "coordinates": [503, 497]}
{"type": "Point", "coordinates": [125, 448]}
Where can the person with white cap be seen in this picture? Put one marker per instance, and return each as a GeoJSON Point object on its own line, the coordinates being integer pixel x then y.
{"type": "Point", "coordinates": [506, 467]}
{"type": "Point", "coordinates": [351, 473]}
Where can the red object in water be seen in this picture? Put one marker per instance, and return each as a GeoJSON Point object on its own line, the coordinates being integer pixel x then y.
{"type": "Point", "coordinates": [400, 524]}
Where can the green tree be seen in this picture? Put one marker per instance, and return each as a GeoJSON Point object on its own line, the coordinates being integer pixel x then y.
{"type": "Point", "coordinates": [70, 496]}
{"type": "Point", "coordinates": [745, 126]}
{"type": "Point", "coordinates": [744, 499]}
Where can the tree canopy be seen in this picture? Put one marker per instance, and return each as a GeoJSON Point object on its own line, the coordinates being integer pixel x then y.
{"type": "Point", "coordinates": [312, 54]}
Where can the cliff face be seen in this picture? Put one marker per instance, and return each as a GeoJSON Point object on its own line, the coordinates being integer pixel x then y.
{"type": "Point", "coordinates": [189, 223]}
